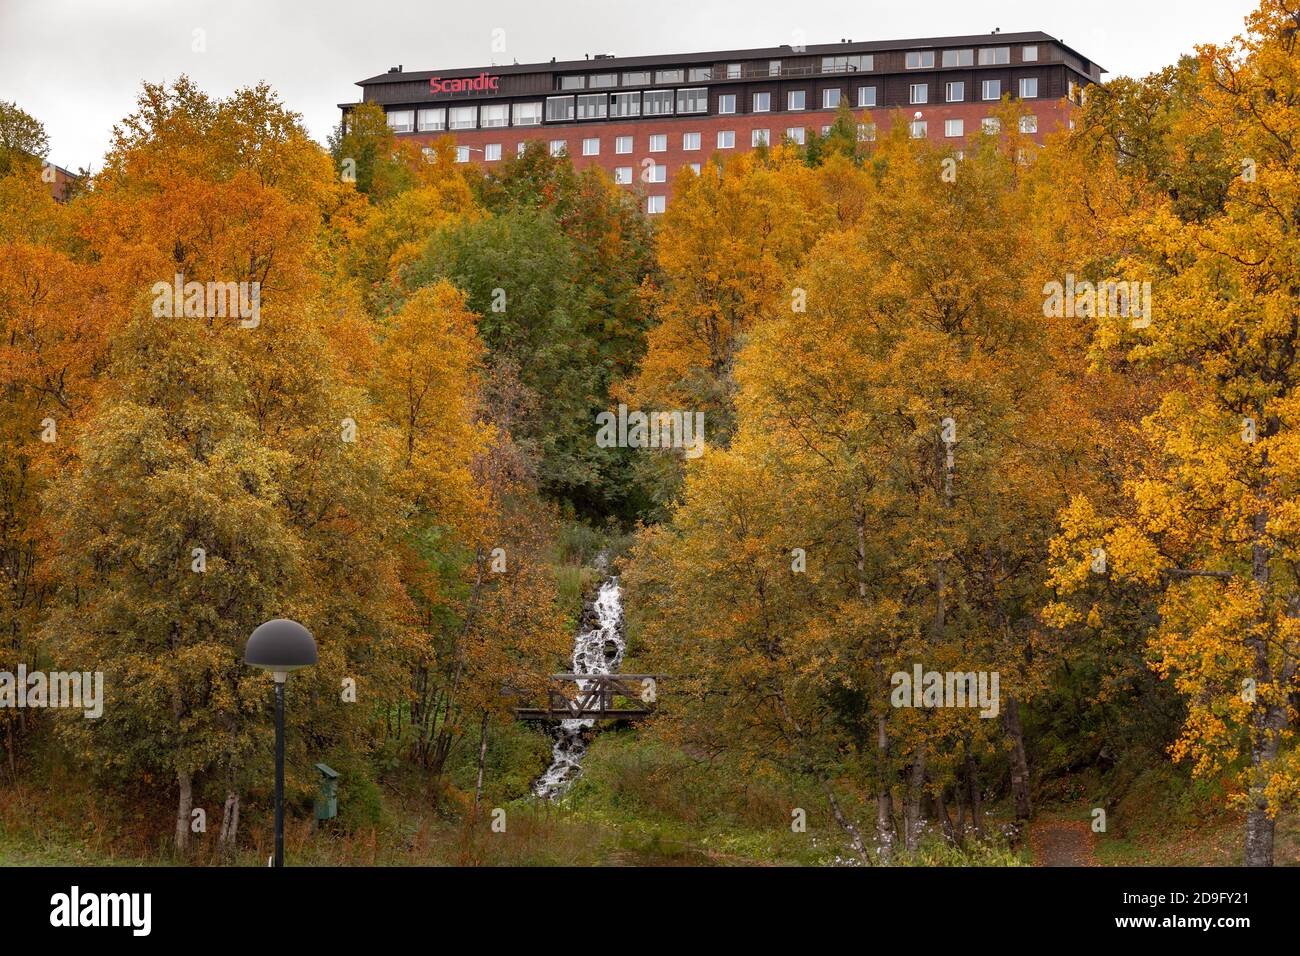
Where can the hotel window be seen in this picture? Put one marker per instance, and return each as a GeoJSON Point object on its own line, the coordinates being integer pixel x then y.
{"type": "Point", "coordinates": [1029, 54]}
{"type": "Point", "coordinates": [759, 137]}
{"type": "Point", "coordinates": [492, 152]}
{"type": "Point", "coordinates": [494, 114]}
{"type": "Point", "coordinates": [693, 100]}
{"type": "Point", "coordinates": [727, 103]}
{"type": "Point", "coordinates": [573, 82]}
{"type": "Point", "coordinates": [695, 168]}
{"type": "Point", "coordinates": [954, 127]}
{"type": "Point", "coordinates": [656, 173]}
{"type": "Point", "coordinates": [690, 141]}
{"type": "Point", "coordinates": [528, 114]}
{"type": "Point", "coordinates": [733, 71]}
{"type": "Point", "coordinates": [638, 78]}
{"type": "Point", "coordinates": [1029, 87]}
{"type": "Point", "coordinates": [623, 144]}
{"type": "Point", "coordinates": [995, 55]}
{"type": "Point", "coordinates": [762, 102]}
{"type": "Point", "coordinates": [866, 96]}
{"type": "Point", "coordinates": [462, 117]}
{"type": "Point", "coordinates": [399, 121]}
{"type": "Point", "coordinates": [858, 63]}
{"type": "Point", "coordinates": [624, 104]}
{"type": "Point", "coordinates": [559, 147]}
{"type": "Point", "coordinates": [774, 68]}
{"type": "Point", "coordinates": [919, 129]}
{"type": "Point", "coordinates": [919, 60]}
{"type": "Point", "coordinates": [991, 124]}
{"type": "Point", "coordinates": [919, 93]}
{"type": "Point", "coordinates": [623, 175]}
{"type": "Point", "coordinates": [670, 76]}
{"type": "Point", "coordinates": [657, 102]}
{"type": "Point", "coordinates": [428, 155]}
{"type": "Point", "coordinates": [992, 89]}
{"type": "Point", "coordinates": [866, 132]}
{"type": "Point", "coordinates": [699, 74]}
{"type": "Point", "coordinates": [958, 57]}
{"type": "Point", "coordinates": [591, 146]}
{"type": "Point", "coordinates": [795, 100]}
{"type": "Point", "coordinates": [955, 91]}
{"type": "Point", "coordinates": [1029, 124]}
{"type": "Point", "coordinates": [654, 205]}
{"type": "Point", "coordinates": [520, 148]}
{"type": "Point", "coordinates": [659, 143]}
{"type": "Point", "coordinates": [726, 139]}
{"type": "Point", "coordinates": [559, 109]}
{"type": "Point", "coordinates": [602, 81]}
{"type": "Point", "coordinates": [433, 120]}
{"type": "Point", "coordinates": [592, 106]}
{"type": "Point", "coordinates": [462, 154]}
{"type": "Point", "coordinates": [795, 134]}
{"type": "Point", "coordinates": [830, 99]}
{"type": "Point", "coordinates": [826, 130]}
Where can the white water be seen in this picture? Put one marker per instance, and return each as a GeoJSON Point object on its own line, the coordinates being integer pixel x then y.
{"type": "Point", "coordinates": [596, 650]}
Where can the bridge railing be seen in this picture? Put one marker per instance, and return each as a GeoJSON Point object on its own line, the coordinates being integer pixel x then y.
{"type": "Point", "coordinates": [596, 697]}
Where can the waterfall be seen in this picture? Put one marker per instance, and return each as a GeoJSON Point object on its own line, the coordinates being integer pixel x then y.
{"type": "Point", "coordinates": [597, 649]}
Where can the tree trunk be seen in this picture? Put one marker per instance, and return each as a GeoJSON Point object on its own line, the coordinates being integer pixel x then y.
{"type": "Point", "coordinates": [912, 819]}
{"type": "Point", "coordinates": [884, 795]}
{"type": "Point", "coordinates": [1266, 718]}
{"type": "Point", "coordinates": [855, 837]}
{"type": "Point", "coordinates": [230, 819]}
{"type": "Point", "coordinates": [1019, 764]}
{"type": "Point", "coordinates": [973, 782]}
{"type": "Point", "coordinates": [960, 790]}
{"type": "Point", "coordinates": [1269, 722]}
{"type": "Point", "coordinates": [183, 808]}
{"type": "Point", "coordinates": [482, 759]}
{"type": "Point", "coordinates": [944, 819]}
{"type": "Point", "coordinates": [9, 747]}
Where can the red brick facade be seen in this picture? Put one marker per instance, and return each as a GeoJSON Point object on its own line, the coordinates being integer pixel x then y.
{"type": "Point", "coordinates": [1050, 114]}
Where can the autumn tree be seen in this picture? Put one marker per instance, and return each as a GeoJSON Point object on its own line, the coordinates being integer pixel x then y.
{"type": "Point", "coordinates": [1207, 524]}
{"type": "Point", "coordinates": [882, 500]}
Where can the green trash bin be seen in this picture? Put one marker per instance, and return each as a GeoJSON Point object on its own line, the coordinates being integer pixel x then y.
{"type": "Point", "coordinates": [327, 800]}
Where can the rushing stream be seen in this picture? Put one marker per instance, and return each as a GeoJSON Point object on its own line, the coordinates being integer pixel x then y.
{"type": "Point", "coordinates": [597, 649]}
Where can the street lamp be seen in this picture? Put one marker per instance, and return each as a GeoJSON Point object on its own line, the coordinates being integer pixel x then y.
{"type": "Point", "coordinates": [280, 646]}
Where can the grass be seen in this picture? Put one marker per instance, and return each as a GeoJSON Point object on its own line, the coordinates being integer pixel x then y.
{"type": "Point", "coordinates": [1156, 815]}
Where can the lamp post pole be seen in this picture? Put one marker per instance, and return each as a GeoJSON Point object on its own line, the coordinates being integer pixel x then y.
{"type": "Point", "coordinates": [280, 646]}
{"type": "Point", "coordinates": [279, 767]}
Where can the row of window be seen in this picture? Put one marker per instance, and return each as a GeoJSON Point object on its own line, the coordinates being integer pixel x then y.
{"type": "Point", "coordinates": [849, 63]}
{"type": "Point", "coordinates": [726, 139]}
{"type": "Point", "coordinates": [984, 56]}
{"type": "Point", "coordinates": [955, 91]}
{"type": "Point", "coordinates": [683, 102]}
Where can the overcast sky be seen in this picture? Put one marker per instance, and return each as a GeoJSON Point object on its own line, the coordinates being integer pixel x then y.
{"type": "Point", "coordinates": [77, 65]}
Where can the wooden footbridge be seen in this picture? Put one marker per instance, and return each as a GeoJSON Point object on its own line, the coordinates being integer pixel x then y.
{"type": "Point", "coordinates": [596, 697]}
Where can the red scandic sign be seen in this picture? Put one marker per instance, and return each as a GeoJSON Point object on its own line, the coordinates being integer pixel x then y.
{"type": "Point", "coordinates": [483, 83]}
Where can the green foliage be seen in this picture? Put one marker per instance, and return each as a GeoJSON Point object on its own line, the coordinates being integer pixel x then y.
{"type": "Point", "coordinates": [362, 146]}
{"type": "Point", "coordinates": [23, 142]}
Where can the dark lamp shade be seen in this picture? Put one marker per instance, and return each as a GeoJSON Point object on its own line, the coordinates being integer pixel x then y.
{"type": "Point", "coordinates": [280, 645]}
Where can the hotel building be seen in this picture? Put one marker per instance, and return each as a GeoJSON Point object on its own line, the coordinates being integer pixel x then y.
{"type": "Point", "coordinates": [643, 118]}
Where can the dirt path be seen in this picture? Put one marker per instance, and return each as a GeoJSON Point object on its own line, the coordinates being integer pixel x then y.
{"type": "Point", "coordinates": [1061, 843]}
